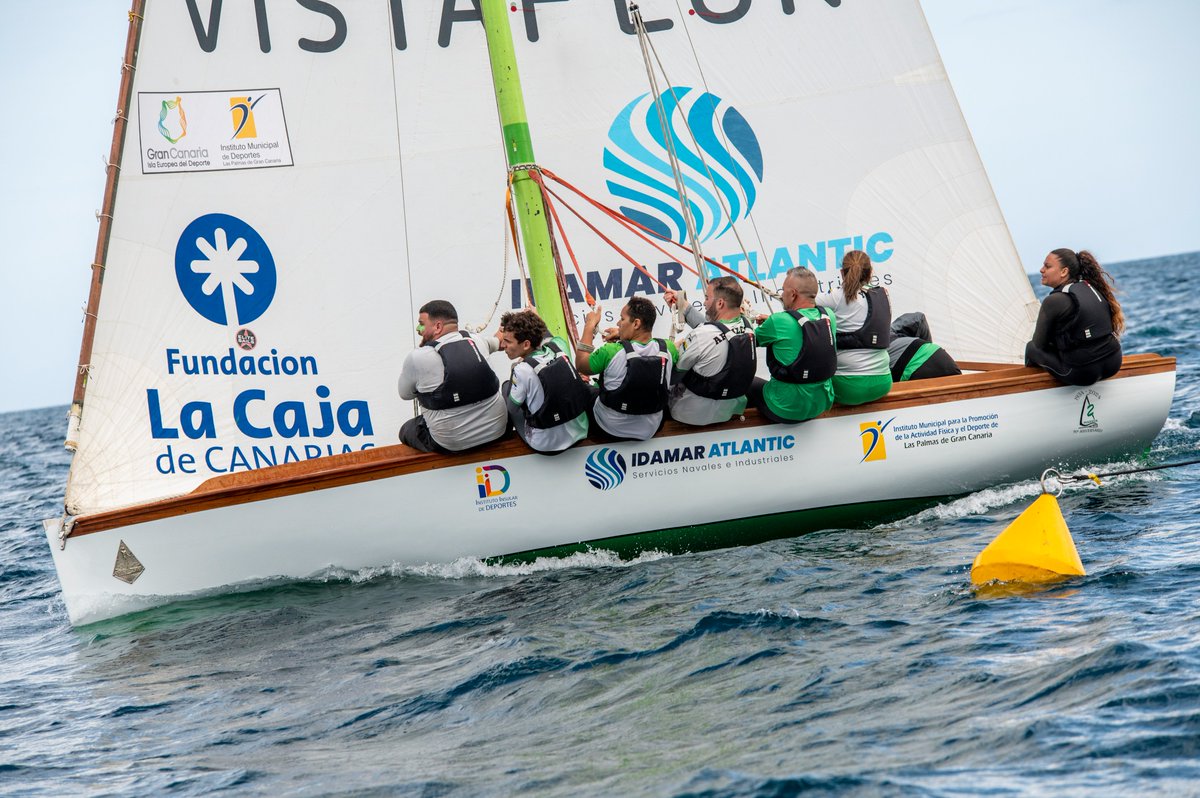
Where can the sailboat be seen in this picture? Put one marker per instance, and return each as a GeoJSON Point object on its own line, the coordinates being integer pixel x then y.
{"type": "Point", "coordinates": [289, 182]}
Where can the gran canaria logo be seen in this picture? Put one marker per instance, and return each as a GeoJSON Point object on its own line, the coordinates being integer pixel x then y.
{"type": "Point", "coordinates": [720, 142]}
{"type": "Point", "coordinates": [874, 446]}
{"type": "Point", "coordinates": [605, 469]}
{"type": "Point", "coordinates": [172, 121]}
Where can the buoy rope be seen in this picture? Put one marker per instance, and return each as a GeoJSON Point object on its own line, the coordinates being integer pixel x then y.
{"type": "Point", "coordinates": [1097, 477]}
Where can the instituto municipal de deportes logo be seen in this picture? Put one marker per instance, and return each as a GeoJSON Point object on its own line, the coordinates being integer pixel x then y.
{"type": "Point", "coordinates": [172, 121]}
{"type": "Point", "coordinates": [605, 469]}
{"type": "Point", "coordinates": [492, 481]}
{"type": "Point", "coordinates": [639, 170]}
{"type": "Point", "coordinates": [873, 444]}
{"type": "Point", "coordinates": [225, 269]}
{"type": "Point", "coordinates": [242, 111]}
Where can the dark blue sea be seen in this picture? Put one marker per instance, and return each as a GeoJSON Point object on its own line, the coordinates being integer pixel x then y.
{"type": "Point", "coordinates": [848, 662]}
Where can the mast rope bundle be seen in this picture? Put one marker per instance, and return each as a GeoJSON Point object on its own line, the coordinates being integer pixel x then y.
{"type": "Point", "coordinates": [511, 224]}
{"type": "Point", "coordinates": [647, 47]}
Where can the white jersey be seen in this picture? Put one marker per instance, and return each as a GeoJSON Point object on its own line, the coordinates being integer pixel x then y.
{"type": "Point", "coordinates": [527, 391]}
{"type": "Point", "coordinates": [702, 352]}
{"type": "Point", "coordinates": [454, 428]}
{"type": "Point", "coordinates": [851, 316]}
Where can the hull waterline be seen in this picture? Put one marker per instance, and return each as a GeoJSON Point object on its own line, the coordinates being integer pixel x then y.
{"type": "Point", "coordinates": [743, 482]}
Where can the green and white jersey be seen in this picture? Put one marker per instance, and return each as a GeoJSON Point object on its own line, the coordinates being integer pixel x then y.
{"type": "Point", "coordinates": [527, 393]}
{"type": "Point", "coordinates": [609, 362]}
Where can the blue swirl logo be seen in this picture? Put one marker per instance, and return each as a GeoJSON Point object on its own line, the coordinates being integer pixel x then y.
{"type": "Point", "coordinates": [639, 171]}
{"type": "Point", "coordinates": [605, 469]}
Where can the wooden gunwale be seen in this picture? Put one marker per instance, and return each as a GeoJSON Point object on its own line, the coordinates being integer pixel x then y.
{"type": "Point", "coordinates": [397, 460]}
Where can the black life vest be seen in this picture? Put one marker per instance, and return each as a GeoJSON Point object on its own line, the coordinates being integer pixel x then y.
{"type": "Point", "coordinates": [875, 333]}
{"type": "Point", "coordinates": [817, 360]}
{"type": "Point", "coordinates": [468, 378]}
{"type": "Point", "coordinates": [564, 395]}
{"type": "Point", "coordinates": [1090, 324]}
{"type": "Point", "coordinates": [734, 379]}
{"type": "Point", "coordinates": [647, 380]}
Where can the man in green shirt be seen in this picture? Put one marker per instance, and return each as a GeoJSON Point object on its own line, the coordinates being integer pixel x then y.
{"type": "Point", "coordinates": [801, 354]}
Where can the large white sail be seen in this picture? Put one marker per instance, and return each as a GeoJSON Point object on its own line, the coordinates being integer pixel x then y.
{"type": "Point", "coordinates": [298, 179]}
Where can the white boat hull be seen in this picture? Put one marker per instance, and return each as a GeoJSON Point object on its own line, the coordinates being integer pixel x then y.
{"type": "Point", "coordinates": [698, 484]}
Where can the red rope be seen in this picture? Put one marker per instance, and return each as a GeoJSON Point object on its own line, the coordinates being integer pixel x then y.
{"type": "Point", "coordinates": [627, 222]}
{"type": "Point", "coordinates": [566, 241]}
{"type": "Point", "coordinates": [512, 226]}
{"type": "Point", "coordinates": [612, 244]}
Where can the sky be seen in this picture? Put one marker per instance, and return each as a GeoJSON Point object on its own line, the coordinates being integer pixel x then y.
{"type": "Point", "coordinates": [1086, 114]}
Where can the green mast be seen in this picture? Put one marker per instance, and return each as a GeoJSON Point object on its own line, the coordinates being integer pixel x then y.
{"type": "Point", "coordinates": [518, 149]}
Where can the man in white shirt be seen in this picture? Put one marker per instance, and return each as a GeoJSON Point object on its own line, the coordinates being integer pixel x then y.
{"type": "Point", "coordinates": [716, 358]}
{"type": "Point", "coordinates": [547, 401]}
{"type": "Point", "coordinates": [458, 391]}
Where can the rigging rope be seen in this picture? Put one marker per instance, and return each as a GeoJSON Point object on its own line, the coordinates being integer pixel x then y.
{"type": "Point", "coordinates": [649, 43]}
{"type": "Point", "coordinates": [634, 227]}
{"type": "Point", "coordinates": [516, 241]}
{"type": "Point", "coordinates": [669, 141]}
{"type": "Point", "coordinates": [478, 328]}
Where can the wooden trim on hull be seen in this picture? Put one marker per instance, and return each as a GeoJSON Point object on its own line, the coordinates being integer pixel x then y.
{"type": "Point", "coordinates": [390, 461]}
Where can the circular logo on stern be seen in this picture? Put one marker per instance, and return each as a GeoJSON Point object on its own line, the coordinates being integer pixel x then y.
{"type": "Point", "coordinates": [605, 469]}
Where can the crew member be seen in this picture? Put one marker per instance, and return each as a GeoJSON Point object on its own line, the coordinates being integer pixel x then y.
{"type": "Point", "coordinates": [913, 354]}
{"type": "Point", "coordinates": [717, 358]}
{"type": "Point", "coordinates": [634, 368]}
{"type": "Point", "coordinates": [458, 391]}
{"type": "Point", "coordinates": [801, 354]}
{"type": "Point", "coordinates": [1076, 334]}
{"type": "Point", "coordinates": [547, 400]}
{"type": "Point", "coordinates": [864, 316]}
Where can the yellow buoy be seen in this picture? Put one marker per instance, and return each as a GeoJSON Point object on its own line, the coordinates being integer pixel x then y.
{"type": "Point", "coordinates": [1036, 547]}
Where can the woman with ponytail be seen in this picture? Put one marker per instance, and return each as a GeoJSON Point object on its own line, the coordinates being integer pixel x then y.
{"type": "Point", "coordinates": [1076, 334]}
{"type": "Point", "coordinates": [864, 319]}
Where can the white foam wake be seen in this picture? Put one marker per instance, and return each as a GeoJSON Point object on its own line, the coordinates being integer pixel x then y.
{"type": "Point", "coordinates": [471, 567]}
{"type": "Point", "coordinates": [989, 499]}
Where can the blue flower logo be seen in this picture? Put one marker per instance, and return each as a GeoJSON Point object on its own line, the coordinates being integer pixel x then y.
{"type": "Point", "coordinates": [605, 469]}
{"type": "Point", "coordinates": [640, 173]}
{"type": "Point", "coordinates": [225, 269]}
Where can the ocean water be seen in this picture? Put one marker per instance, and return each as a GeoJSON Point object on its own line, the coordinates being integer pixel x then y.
{"type": "Point", "coordinates": [857, 662]}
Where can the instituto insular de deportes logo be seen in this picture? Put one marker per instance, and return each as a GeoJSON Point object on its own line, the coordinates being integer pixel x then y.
{"type": "Point", "coordinates": [492, 480]}
{"type": "Point", "coordinates": [493, 483]}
